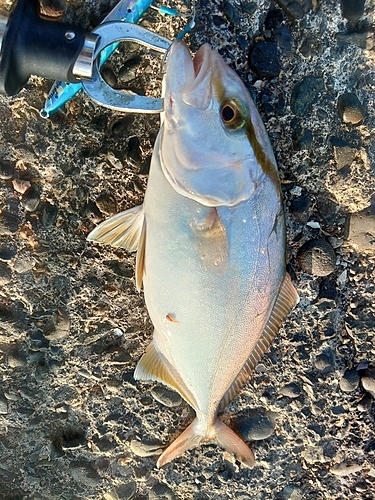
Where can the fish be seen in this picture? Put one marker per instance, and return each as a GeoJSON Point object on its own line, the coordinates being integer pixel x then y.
{"type": "Point", "coordinates": [210, 239]}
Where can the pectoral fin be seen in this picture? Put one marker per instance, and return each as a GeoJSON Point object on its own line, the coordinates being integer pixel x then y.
{"type": "Point", "coordinates": [287, 298]}
{"type": "Point", "coordinates": [212, 242]}
{"type": "Point", "coordinates": [121, 230]}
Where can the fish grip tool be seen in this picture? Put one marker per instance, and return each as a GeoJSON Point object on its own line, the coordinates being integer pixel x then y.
{"type": "Point", "coordinates": [104, 94]}
{"type": "Point", "coordinates": [32, 45]}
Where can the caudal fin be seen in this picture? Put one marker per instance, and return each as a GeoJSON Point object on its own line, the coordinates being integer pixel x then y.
{"type": "Point", "coordinates": [218, 433]}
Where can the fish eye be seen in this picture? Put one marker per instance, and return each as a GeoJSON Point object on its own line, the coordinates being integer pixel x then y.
{"type": "Point", "coordinates": [232, 114]}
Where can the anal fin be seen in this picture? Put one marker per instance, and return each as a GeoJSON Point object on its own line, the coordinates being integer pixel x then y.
{"type": "Point", "coordinates": [286, 299]}
{"type": "Point", "coordinates": [154, 366]}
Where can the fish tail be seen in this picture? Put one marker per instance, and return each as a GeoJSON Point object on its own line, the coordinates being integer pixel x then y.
{"type": "Point", "coordinates": [215, 433]}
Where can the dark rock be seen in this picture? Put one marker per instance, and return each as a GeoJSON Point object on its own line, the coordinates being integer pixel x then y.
{"type": "Point", "coordinates": [349, 381]}
{"type": "Point", "coordinates": [352, 10]}
{"type": "Point", "coordinates": [129, 69]}
{"type": "Point", "coordinates": [359, 38]}
{"type": "Point", "coordinates": [295, 8]}
{"type": "Point", "coordinates": [284, 38]}
{"type": "Point", "coordinates": [134, 153]}
{"type": "Point", "coordinates": [362, 231]}
{"type": "Point", "coordinates": [231, 13]}
{"type": "Point", "coordinates": [263, 59]}
{"type": "Point", "coordinates": [256, 426]}
{"type": "Point", "coordinates": [118, 127]}
{"type": "Point", "coordinates": [31, 199]}
{"type": "Point", "coordinates": [327, 290]}
{"type": "Point", "coordinates": [5, 274]}
{"type": "Point", "coordinates": [7, 253]}
{"type": "Point", "coordinates": [325, 362]}
{"type": "Point", "coordinates": [368, 382]}
{"type": "Point", "coordinates": [124, 491]}
{"type": "Point", "coordinates": [304, 94]}
{"type": "Point", "coordinates": [48, 215]}
{"type": "Point", "coordinates": [250, 8]}
{"type": "Point", "coordinates": [273, 20]}
{"type": "Point", "coordinates": [145, 166]}
{"type": "Point", "coordinates": [105, 444]}
{"type": "Point", "coordinates": [344, 156]}
{"type": "Point", "coordinates": [106, 203]}
{"type": "Point", "coordinates": [3, 404]}
{"type": "Point", "coordinates": [365, 403]}
{"type": "Point", "coordinates": [166, 396]}
{"type": "Point", "coordinates": [317, 257]}
{"type": "Point", "coordinates": [350, 109]}
{"type": "Point", "coordinates": [218, 20]}
{"type": "Point", "coordinates": [310, 45]}
{"type": "Point", "coordinates": [290, 390]}
{"type": "Point", "coordinates": [9, 223]}
{"type": "Point", "coordinates": [161, 492]}
{"type": "Point", "coordinates": [73, 439]}
{"type": "Point", "coordinates": [109, 76]}
{"type": "Point", "coordinates": [6, 170]}
{"type": "Point", "coordinates": [300, 208]}
{"type": "Point", "coordinates": [93, 212]}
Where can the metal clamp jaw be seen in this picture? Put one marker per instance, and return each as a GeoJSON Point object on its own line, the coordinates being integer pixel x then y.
{"type": "Point", "coordinates": [100, 91]}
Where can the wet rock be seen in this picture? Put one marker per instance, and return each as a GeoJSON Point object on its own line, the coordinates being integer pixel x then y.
{"type": "Point", "coordinates": [231, 13]}
{"type": "Point", "coordinates": [6, 170]}
{"type": "Point", "coordinates": [5, 274]}
{"type": "Point", "coordinates": [290, 390]}
{"type": "Point", "coordinates": [362, 231]}
{"type": "Point", "coordinates": [368, 382]}
{"type": "Point", "coordinates": [134, 153]}
{"type": "Point", "coordinates": [305, 93]}
{"type": "Point", "coordinates": [365, 403]}
{"type": "Point", "coordinates": [256, 426]}
{"type": "Point", "coordinates": [106, 203]}
{"type": "Point", "coordinates": [145, 450]}
{"type": "Point", "coordinates": [48, 215]}
{"type": "Point", "coordinates": [165, 396]}
{"type": "Point", "coordinates": [31, 200]}
{"type": "Point", "coordinates": [295, 8]}
{"type": "Point", "coordinates": [325, 362]}
{"type": "Point", "coordinates": [129, 69]}
{"type": "Point", "coordinates": [3, 404]}
{"type": "Point", "coordinates": [263, 59]}
{"type": "Point", "coordinates": [9, 223]}
{"type": "Point", "coordinates": [317, 257]}
{"type": "Point", "coordinates": [352, 10]}
{"type": "Point", "coordinates": [350, 109]}
{"type": "Point", "coordinates": [349, 381]}
{"type": "Point", "coordinates": [300, 209]}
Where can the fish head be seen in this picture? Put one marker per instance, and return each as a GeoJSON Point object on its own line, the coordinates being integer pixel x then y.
{"type": "Point", "coordinates": [214, 147]}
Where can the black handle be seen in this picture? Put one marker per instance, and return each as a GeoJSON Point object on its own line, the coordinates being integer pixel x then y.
{"type": "Point", "coordinates": [36, 46]}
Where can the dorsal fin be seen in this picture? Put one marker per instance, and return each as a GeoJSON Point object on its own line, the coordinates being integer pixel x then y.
{"type": "Point", "coordinates": [285, 301]}
{"type": "Point", "coordinates": [121, 230]}
{"type": "Point", "coordinates": [154, 366]}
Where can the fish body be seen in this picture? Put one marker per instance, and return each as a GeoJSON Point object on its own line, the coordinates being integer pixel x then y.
{"type": "Point", "coordinates": [210, 240]}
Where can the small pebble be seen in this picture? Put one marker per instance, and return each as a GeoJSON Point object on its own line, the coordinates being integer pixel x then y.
{"type": "Point", "coordinates": [349, 381]}
{"type": "Point", "coordinates": [9, 223]}
{"type": "Point", "coordinates": [295, 8]}
{"type": "Point", "coordinates": [327, 290]}
{"type": "Point", "coordinates": [305, 93]}
{"type": "Point", "coordinates": [84, 474]}
{"type": "Point", "coordinates": [109, 76]}
{"type": "Point", "coordinates": [352, 10]}
{"type": "Point", "coordinates": [3, 404]}
{"type": "Point", "coordinates": [291, 492]}
{"type": "Point", "coordinates": [362, 231]}
{"type": "Point", "coordinates": [345, 469]}
{"type": "Point", "coordinates": [5, 274]}
{"type": "Point", "coordinates": [258, 425]}
{"type": "Point", "coordinates": [325, 362]}
{"type": "Point", "coordinates": [134, 153]}
{"type": "Point", "coordinates": [274, 19]}
{"type": "Point", "coordinates": [263, 59]}
{"type": "Point", "coordinates": [365, 403]}
{"type": "Point", "coordinates": [231, 13]}
{"type": "Point", "coordinates": [106, 203]}
{"type": "Point", "coordinates": [31, 200]}
{"type": "Point", "coordinates": [300, 209]}
{"type": "Point", "coordinates": [317, 257]}
{"type": "Point", "coordinates": [129, 69]}
{"type": "Point", "coordinates": [368, 382]}
{"type": "Point", "coordinates": [250, 8]}
{"type": "Point", "coordinates": [48, 215]}
{"type": "Point", "coordinates": [291, 390]}
{"type": "Point", "coordinates": [350, 109]}
{"type": "Point", "coordinates": [344, 156]}
{"type": "Point", "coordinates": [21, 186]}
{"type": "Point", "coordinates": [145, 450]}
{"type": "Point", "coordinates": [284, 38]}
{"type": "Point", "coordinates": [165, 396]}
{"type": "Point", "coordinates": [23, 263]}
{"type": "Point", "coordinates": [93, 212]}
{"type": "Point", "coordinates": [161, 492]}
{"type": "Point", "coordinates": [6, 170]}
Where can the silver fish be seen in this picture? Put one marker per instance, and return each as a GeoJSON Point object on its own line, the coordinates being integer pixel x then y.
{"type": "Point", "coordinates": [210, 241]}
